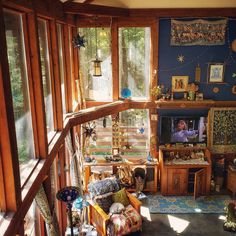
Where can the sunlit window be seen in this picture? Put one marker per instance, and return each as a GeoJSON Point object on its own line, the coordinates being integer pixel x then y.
{"type": "Point", "coordinates": [46, 77]}
{"type": "Point", "coordinates": [61, 66]}
{"type": "Point", "coordinates": [134, 61]}
{"type": "Point", "coordinates": [134, 133]}
{"type": "Point", "coordinates": [97, 88]}
{"type": "Point", "coordinates": [19, 87]}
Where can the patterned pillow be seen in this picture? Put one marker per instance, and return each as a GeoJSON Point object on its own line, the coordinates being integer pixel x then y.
{"type": "Point", "coordinates": [116, 208]}
{"type": "Point", "coordinates": [104, 201]}
{"type": "Point", "coordinates": [121, 197]}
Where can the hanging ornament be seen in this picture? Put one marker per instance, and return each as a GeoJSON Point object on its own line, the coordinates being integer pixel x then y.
{"type": "Point", "coordinates": [141, 130]}
{"type": "Point", "coordinates": [79, 41]}
{"type": "Point", "coordinates": [180, 58]}
{"type": "Point", "coordinates": [126, 93]}
{"type": "Point", "coordinates": [234, 75]}
{"type": "Point", "coordinates": [104, 122]}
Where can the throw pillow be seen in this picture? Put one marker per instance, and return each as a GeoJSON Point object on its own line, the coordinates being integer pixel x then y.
{"type": "Point", "coordinates": [104, 201]}
{"type": "Point", "coordinates": [116, 208]}
{"type": "Point", "coordinates": [121, 197]}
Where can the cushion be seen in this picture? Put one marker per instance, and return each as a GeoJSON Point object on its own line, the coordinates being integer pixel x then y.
{"type": "Point", "coordinates": [128, 221]}
{"type": "Point", "coordinates": [121, 197]}
{"type": "Point", "coordinates": [103, 186]}
{"type": "Point", "coordinates": [116, 208]}
{"type": "Point", "coordinates": [104, 201]}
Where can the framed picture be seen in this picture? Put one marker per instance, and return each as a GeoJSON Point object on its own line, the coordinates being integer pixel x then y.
{"type": "Point", "coordinates": [115, 151]}
{"type": "Point", "coordinates": [216, 72]}
{"type": "Point", "coordinates": [234, 89]}
{"type": "Point", "coordinates": [179, 83]}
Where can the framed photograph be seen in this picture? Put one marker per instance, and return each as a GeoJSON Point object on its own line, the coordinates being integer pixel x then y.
{"type": "Point", "coordinates": [179, 83]}
{"type": "Point", "coordinates": [216, 72]}
{"type": "Point", "coordinates": [234, 89]}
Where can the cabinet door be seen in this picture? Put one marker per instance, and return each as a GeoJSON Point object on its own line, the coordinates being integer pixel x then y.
{"type": "Point", "coordinates": [177, 181]}
{"type": "Point", "coordinates": [199, 183]}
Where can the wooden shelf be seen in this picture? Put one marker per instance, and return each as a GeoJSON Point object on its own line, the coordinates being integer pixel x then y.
{"type": "Point", "coordinates": [164, 148]}
{"type": "Point", "coordinates": [181, 103]}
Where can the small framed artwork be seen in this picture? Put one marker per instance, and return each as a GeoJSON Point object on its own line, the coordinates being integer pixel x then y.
{"type": "Point", "coordinates": [234, 89]}
{"type": "Point", "coordinates": [179, 83]}
{"type": "Point", "coordinates": [115, 151]}
{"type": "Point", "coordinates": [199, 97]}
{"type": "Point", "coordinates": [216, 72]}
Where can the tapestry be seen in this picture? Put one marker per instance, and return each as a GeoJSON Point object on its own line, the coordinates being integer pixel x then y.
{"type": "Point", "coordinates": [198, 32]}
{"type": "Point", "coordinates": [187, 204]}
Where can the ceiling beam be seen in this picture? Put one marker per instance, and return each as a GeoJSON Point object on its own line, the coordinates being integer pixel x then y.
{"type": "Point", "coordinates": [88, 1]}
{"type": "Point", "coordinates": [90, 9]}
{"type": "Point", "coordinates": [183, 12]}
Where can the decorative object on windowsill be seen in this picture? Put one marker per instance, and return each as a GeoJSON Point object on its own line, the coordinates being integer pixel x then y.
{"type": "Point", "coordinates": [126, 93]}
{"type": "Point", "coordinates": [149, 157]}
{"type": "Point", "coordinates": [192, 89]}
{"type": "Point", "coordinates": [97, 63]}
{"type": "Point", "coordinates": [79, 41]}
{"type": "Point", "coordinates": [156, 91]}
{"type": "Point", "coordinates": [68, 196]}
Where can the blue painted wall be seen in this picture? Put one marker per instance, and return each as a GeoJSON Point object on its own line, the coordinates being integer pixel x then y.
{"type": "Point", "coordinates": [202, 55]}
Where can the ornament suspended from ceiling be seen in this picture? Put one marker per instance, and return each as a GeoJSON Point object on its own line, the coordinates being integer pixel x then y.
{"type": "Point", "coordinates": [79, 41]}
{"type": "Point", "coordinates": [180, 58]}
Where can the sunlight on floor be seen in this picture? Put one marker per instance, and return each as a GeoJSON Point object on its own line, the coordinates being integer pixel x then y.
{"type": "Point", "coordinates": [222, 217]}
{"type": "Point", "coordinates": [145, 213]}
{"type": "Point", "coordinates": [177, 224]}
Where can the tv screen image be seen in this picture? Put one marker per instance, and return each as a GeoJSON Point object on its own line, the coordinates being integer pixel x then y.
{"type": "Point", "coordinates": [183, 129]}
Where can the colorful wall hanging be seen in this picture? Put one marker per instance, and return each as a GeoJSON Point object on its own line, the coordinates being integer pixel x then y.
{"type": "Point", "coordinates": [198, 32]}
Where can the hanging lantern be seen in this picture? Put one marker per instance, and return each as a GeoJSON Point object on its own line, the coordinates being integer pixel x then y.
{"type": "Point", "coordinates": [97, 70]}
{"type": "Point", "coordinates": [97, 63]}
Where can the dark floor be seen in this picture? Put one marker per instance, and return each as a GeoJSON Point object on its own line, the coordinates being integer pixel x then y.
{"type": "Point", "coordinates": [183, 224]}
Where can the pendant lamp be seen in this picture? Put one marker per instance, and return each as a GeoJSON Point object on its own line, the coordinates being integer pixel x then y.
{"type": "Point", "coordinates": [97, 71]}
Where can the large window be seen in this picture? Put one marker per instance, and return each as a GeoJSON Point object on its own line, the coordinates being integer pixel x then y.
{"type": "Point", "coordinates": [134, 133]}
{"type": "Point", "coordinates": [134, 60]}
{"type": "Point", "coordinates": [61, 66]}
{"type": "Point", "coordinates": [19, 87]}
{"type": "Point", "coordinates": [97, 88]}
{"type": "Point", "coordinates": [46, 76]}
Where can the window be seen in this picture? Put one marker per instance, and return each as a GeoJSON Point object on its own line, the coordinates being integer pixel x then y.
{"type": "Point", "coordinates": [134, 60]}
{"type": "Point", "coordinates": [46, 76]}
{"type": "Point", "coordinates": [61, 67]}
{"type": "Point", "coordinates": [103, 143]}
{"type": "Point", "coordinates": [96, 88]}
{"type": "Point", "coordinates": [19, 88]}
{"type": "Point", "coordinates": [134, 129]}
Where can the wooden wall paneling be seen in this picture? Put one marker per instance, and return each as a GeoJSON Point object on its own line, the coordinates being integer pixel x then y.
{"type": "Point", "coordinates": [8, 145]}
{"type": "Point", "coordinates": [56, 77]}
{"type": "Point", "coordinates": [67, 68]}
{"type": "Point", "coordinates": [20, 5]}
{"type": "Point", "coordinates": [38, 86]}
{"type": "Point", "coordinates": [31, 84]}
{"type": "Point", "coordinates": [115, 59]}
{"type": "Point", "coordinates": [75, 65]}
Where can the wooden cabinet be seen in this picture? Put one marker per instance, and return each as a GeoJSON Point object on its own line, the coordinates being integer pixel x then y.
{"type": "Point", "coordinates": [231, 181]}
{"type": "Point", "coordinates": [189, 175]}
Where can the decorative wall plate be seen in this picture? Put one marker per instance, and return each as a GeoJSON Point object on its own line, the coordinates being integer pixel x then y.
{"type": "Point", "coordinates": [233, 45]}
{"type": "Point", "coordinates": [215, 90]}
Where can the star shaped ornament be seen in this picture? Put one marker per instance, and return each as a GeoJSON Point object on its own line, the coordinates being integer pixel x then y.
{"type": "Point", "coordinates": [180, 58]}
{"type": "Point", "coordinates": [79, 41]}
{"type": "Point", "coordinates": [234, 75]}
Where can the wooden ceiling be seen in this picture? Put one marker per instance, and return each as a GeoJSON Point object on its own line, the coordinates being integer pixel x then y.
{"type": "Point", "coordinates": [160, 3]}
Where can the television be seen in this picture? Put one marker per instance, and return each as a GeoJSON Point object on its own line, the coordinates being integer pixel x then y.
{"type": "Point", "coordinates": [183, 129]}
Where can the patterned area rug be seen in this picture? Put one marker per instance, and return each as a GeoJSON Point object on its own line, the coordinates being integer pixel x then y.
{"type": "Point", "coordinates": [187, 204]}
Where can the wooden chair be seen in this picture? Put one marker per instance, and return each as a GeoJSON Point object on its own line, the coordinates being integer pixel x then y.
{"type": "Point", "coordinates": [100, 219]}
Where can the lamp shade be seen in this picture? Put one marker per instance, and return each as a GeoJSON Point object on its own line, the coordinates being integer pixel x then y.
{"type": "Point", "coordinates": [68, 194]}
{"type": "Point", "coordinates": [97, 67]}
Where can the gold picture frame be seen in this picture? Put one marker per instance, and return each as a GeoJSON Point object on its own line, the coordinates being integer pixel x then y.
{"type": "Point", "coordinates": [216, 72]}
{"type": "Point", "coordinates": [179, 83]}
{"type": "Point", "coordinates": [221, 130]}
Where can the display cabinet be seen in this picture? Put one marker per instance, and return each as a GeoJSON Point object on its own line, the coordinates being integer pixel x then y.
{"type": "Point", "coordinates": [185, 170]}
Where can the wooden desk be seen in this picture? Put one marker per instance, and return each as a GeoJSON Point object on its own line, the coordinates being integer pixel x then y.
{"type": "Point", "coordinates": [151, 170]}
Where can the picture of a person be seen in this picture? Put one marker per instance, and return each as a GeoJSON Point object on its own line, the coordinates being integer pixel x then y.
{"type": "Point", "coordinates": [182, 133]}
